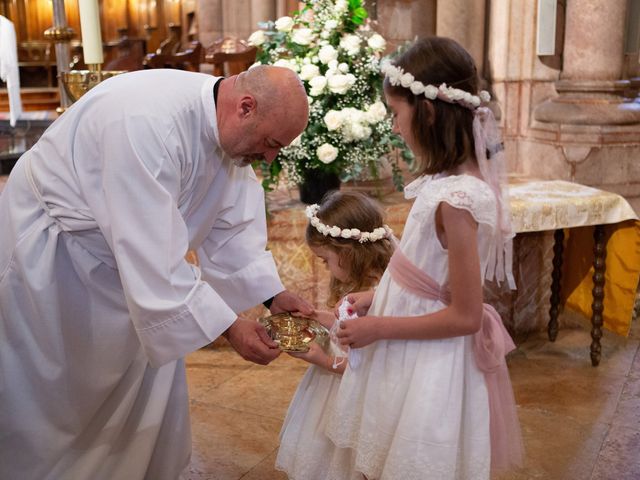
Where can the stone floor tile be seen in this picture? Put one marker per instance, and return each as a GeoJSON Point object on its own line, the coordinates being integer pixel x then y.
{"type": "Point", "coordinates": [265, 470]}
{"type": "Point", "coordinates": [228, 443]}
{"type": "Point", "coordinates": [210, 367]}
{"type": "Point", "coordinates": [628, 411]}
{"type": "Point", "coordinates": [620, 455]}
{"type": "Point", "coordinates": [265, 390]}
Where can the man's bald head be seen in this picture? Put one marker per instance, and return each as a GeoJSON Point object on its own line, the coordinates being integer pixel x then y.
{"type": "Point", "coordinates": [276, 89]}
{"type": "Point", "coordinates": [266, 102]}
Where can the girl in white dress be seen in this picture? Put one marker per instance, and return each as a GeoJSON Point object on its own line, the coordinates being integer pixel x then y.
{"type": "Point", "coordinates": [431, 398]}
{"type": "Point", "coordinates": [347, 232]}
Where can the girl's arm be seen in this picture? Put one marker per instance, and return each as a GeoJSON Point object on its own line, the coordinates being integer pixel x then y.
{"type": "Point", "coordinates": [324, 318]}
{"type": "Point", "coordinates": [317, 356]}
{"type": "Point", "coordinates": [461, 317]}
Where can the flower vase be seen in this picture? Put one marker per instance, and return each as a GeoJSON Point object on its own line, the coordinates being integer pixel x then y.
{"type": "Point", "coordinates": [316, 184]}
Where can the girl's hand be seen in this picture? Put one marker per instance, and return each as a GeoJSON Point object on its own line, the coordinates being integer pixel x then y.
{"type": "Point", "coordinates": [314, 355]}
{"type": "Point", "coordinates": [359, 332]}
{"type": "Point", "coordinates": [360, 302]}
{"type": "Point", "coordinates": [324, 318]}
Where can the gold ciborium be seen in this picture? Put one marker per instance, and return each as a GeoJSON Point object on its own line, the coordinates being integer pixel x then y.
{"type": "Point", "coordinates": [295, 334]}
{"type": "Point", "coordinates": [78, 82]}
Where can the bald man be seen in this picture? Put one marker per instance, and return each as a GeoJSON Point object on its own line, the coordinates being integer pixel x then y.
{"type": "Point", "coordinates": [97, 304]}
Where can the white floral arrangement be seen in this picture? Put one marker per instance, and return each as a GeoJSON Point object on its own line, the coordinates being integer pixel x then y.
{"type": "Point", "coordinates": [337, 56]}
{"type": "Point", "coordinates": [347, 233]}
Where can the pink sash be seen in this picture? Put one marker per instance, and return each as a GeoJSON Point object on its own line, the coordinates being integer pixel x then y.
{"type": "Point", "coordinates": [490, 345]}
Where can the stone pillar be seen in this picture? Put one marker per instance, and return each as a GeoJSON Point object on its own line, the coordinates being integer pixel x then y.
{"type": "Point", "coordinates": [209, 21]}
{"type": "Point", "coordinates": [463, 21]}
{"type": "Point", "coordinates": [590, 89]}
{"type": "Point", "coordinates": [262, 11]}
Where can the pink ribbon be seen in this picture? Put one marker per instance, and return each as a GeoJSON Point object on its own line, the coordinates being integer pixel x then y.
{"type": "Point", "coordinates": [490, 345]}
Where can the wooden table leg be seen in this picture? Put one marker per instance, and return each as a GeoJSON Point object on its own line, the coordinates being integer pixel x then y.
{"type": "Point", "coordinates": [597, 307]}
{"type": "Point", "coordinates": [556, 276]}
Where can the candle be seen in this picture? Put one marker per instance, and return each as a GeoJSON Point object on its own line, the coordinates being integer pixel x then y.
{"type": "Point", "coordinates": [90, 28]}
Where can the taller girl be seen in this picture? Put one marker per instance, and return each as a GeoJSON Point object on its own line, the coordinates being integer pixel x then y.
{"type": "Point", "coordinates": [432, 398]}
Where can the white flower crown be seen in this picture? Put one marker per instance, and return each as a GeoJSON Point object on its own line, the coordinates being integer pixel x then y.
{"type": "Point", "coordinates": [348, 233]}
{"type": "Point", "coordinates": [397, 76]}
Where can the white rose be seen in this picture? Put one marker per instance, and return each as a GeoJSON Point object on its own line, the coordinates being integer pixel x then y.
{"type": "Point", "coordinates": [339, 84]}
{"type": "Point", "coordinates": [355, 232]}
{"type": "Point", "coordinates": [317, 85]}
{"type": "Point", "coordinates": [325, 34]}
{"type": "Point", "coordinates": [346, 233]}
{"type": "Point", "coordinates": [302, 36]}
{"type": "Point", "coordinates": [430, 92]}
{"type": "Point", "coordinates": [377, 42]}
{"type": "Point", "coordinates": [323, 229]}
{"type": "Point", "coordinates": [327, 53]}
{"type": "Point", "coordinates": [284, 24]}
{"type": "Point", "coordinates": [315, 221]}
{"type": "Point", "coordinates": [327, 153]}
{"type": "Point", "coordinates": [309, 71]}
{"type": "Point", "coordinates": [331, 24]}
{"type": "Point", "coordinates": [364, 237]}
{"type": "Point", "coordinates": [341, 6]}
{"type": "Point", "coordinates": [484, 96]}
{"type": "Point", "coordinates": [343, 67]}
{"type": "Point", "coordinates": [334, 231]}
{"type": "Point", "coordinates": [376, 112]}
{"type": "Point", "coordinates": [417, 88]}
{"type": "Point", "coordinates": [351, 43]}
{"type": "Point", "coordinates": [359, 131]}
{"type": "Point", "coordinates": [257, 38]}
{"type": "Point", "coordinates": [283, 62]}
{"type": "Point", "coordinates": [333, 119]}
{"type": "Point", "coordinates": [406, 80]}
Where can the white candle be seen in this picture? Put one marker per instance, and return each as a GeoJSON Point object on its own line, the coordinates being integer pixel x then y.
{"type": "Point", "coordinates": [90, 28]}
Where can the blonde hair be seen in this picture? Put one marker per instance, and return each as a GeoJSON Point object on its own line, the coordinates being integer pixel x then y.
{"type": "Point", "coordinates": [364, 262]}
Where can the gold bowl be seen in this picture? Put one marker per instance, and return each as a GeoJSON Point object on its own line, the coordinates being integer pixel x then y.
{"type": "Point", "coordinates": [78, 82]}
{"type": "Point", "coordinates": [295, 334]}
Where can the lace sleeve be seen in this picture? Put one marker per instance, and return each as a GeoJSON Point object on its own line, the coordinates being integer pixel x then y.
{"type": "Point", "coordinates": [470, 194]}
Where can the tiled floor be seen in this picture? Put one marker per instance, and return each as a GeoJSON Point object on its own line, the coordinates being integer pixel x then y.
{"type": "Point", "coordinates": [579, 422]}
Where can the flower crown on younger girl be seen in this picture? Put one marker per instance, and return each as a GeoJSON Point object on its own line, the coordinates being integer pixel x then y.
{"type": "Point", "coordinates": [349, 233]}
{"type": "Point", "coordinates": [397, 77]}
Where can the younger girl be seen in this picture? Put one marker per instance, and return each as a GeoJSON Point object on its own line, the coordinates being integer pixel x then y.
{"type": "Point", "coordinates": [431, 398]}
{"type": "Point", "coordinates": [347, 232]}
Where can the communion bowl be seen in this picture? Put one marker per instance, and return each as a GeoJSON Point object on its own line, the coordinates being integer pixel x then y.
{"type": "Point", "coordinates": [78, 82]}
{"type": "Point", "coordinates": [295, 334]}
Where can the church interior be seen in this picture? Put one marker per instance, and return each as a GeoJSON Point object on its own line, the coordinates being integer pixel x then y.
{"type": "Point", "coordinates": [565, 76]}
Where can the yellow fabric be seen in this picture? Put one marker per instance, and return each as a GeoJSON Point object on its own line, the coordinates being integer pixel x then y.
{"type": "Point", "coordinates": [622, 272]}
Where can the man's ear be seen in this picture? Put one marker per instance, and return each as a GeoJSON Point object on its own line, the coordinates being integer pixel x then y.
{"type": "Point", "coordinates": [247, 106]}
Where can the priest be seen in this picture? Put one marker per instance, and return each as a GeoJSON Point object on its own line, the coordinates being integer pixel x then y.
{"type": "Point", "coordinates": [98, 305]}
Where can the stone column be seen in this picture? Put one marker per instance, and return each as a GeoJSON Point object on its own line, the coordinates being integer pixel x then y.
{"type": "Point", "coordinates": [463, 21]}
{"type": "Point", "coordinates": [590, 89]}
{"type": "Point", "coordinates": [262, 11]}
{"type": "Point", "coordinates": [209, 21]}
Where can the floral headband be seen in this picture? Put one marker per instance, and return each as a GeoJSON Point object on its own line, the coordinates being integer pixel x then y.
{"type": "Point", "coordinates": [397, 76]}
{"type": "Point", "coordinates": [348, 233]}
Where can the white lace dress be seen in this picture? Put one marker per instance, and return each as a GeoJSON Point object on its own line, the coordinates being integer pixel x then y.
{"type": "Point", "coordinates": [418, 409]}
{"type": "Point", "coordinates": [304, 447]}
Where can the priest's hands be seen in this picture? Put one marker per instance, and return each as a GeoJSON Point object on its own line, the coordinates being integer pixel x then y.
{"type": "Point", "coordinates": [289, 302]}
{"type": "Point", "coordinates": [251, 341]}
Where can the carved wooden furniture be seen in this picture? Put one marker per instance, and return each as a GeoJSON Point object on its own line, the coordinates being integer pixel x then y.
{"type": "Point", "coordinates": [188, 59]}
{"type": "Point", "coordinates": [36, 59]}
{"type": "Point", "coordinates": [126, 53]}
{"type": "Point", "coordinates": [171, 45]}
{"type": "Point", "coordinates": [230, 56]}
{"type": "Point", "coordinates": [561, 206]}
